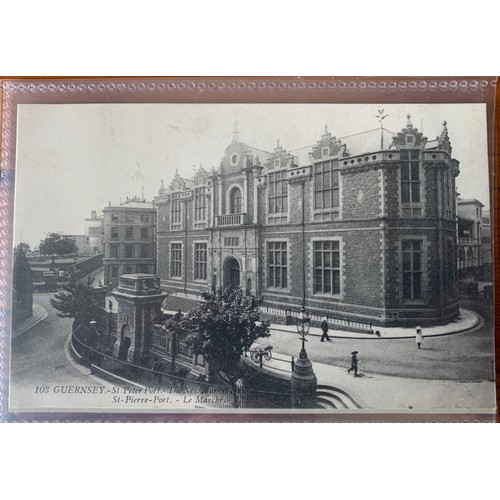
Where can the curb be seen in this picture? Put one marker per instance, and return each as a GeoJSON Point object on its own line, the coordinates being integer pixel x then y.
{"type": "Point", "coordinates": [77, 361]}
{"type": "Point", "coordinates": [270, 372]}
{"type": "Point", "coordinates": [17, 333]}
{"type": "Point", "coordinates": [367, 336]}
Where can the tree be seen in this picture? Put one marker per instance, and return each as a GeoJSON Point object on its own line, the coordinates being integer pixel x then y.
{"type": "Point", "coordinates": [24, 247]}
{"type": "Point", "coordinates": [57, 244]}
{"type": "Point", "coordinates": [221, 328]}
{"type": "Point", "coordinates": [77, 301]}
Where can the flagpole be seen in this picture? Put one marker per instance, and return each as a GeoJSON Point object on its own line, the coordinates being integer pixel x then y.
{"type": "Point", "coordinates": [381, 117]}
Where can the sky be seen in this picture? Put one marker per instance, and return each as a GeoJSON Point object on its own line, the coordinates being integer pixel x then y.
{"type": "Point", "coordinates": [75, 158]}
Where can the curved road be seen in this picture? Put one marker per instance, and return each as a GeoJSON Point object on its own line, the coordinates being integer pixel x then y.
{"type": "Point", "coordinates": [38, 356]}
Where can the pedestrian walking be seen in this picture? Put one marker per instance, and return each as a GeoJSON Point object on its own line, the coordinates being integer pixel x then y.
{"type": "Point", "coordinates": [354, 363]}
{"type": "Point", "coordinates": [419, 337]}
{"type": "Point", "coordinates": [324, 328]}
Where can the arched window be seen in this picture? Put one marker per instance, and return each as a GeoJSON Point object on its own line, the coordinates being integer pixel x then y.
{"type": "Point", "coordinates": [235, 201]}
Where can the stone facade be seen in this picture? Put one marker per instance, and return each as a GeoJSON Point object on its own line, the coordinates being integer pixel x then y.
{"type": "Point", "coordinates": [358, 233]}
{"type": "Point", "coordinates": [129, 239]}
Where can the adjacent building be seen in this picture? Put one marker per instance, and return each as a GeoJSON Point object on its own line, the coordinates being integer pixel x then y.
{"type": "Point", "coordinates": [470, 242]}
{"type": "Point", "coordinates": [487, 252]}
{"type": "Point", "coordinates": [79, 241]}
{"type": "Point", "coordinates": [129, 239]}
{"type": "Point", "coordinates": [94, 234]}
{"type": "Point", "coordinates": [361, 228]}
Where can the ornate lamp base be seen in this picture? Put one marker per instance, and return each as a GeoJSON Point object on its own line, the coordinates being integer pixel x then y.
{"type": "Point", "coordinates": [304, 383]}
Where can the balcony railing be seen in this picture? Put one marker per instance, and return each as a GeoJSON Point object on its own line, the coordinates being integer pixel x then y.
{"type": "Point", "coordinates": [468, 241]}
{"type": "Point", "coordinates": [230, 220]}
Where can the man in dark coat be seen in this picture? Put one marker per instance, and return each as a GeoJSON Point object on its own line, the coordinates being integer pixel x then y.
{"type": "Point", "coordinates": [354, 363]}
{"type": "Point", "coordinates": [324, 328]}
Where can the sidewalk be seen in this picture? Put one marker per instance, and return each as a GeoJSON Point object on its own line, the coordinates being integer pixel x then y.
{"type": "Point", "coordinates": [468, 319]}
{"type": "Point", "coordinates": [39, 314]}
{"type": "Point", "coordinates": [372, 390]}
{"type": "Point", "coordinates": [388, 393]}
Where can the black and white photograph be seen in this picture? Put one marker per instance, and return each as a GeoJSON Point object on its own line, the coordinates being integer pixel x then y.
{"type": "Point", "coordinates": [321, 259]}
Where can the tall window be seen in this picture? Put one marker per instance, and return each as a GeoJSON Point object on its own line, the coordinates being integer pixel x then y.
{"type": "Point", "coordinates": [278, 193]}
{"type": "Point", "coordinates": [327, 267]}
{"type": "Point", "coordinates": [277, 264]}
{"type": "Point", "coordinates": [145, 252]}
{"type": "Point", "coordinates": [235, 201]}
{"type": "Point", "coordinates": [200, 261]}
{"type": "Point", "coordinates": [410, 176]}
{"type": "Point", "coordinates": [175, 208]}
{"type": "Point", "coordinates": [113, 251]}
{"type": "Point", "coordinates": [200, 204]}
{"type": "Point", "coordinates": [114, 232]}
{"type": "Point", "coordinates": [129, 251]}
{"type": "Point", "coordinates": [176, 260]}
{"type": "Point", "coordinates": [412, 269]}
{"type": "Point", "coordinates": [326, 185]}
{"type": "Point", "coordinates": [129, 233]}
{"type": "Point", "coordinates": [144, 233]}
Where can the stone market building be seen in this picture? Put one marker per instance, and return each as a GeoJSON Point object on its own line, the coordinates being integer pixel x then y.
{"type": "Point", "coordinates": [361, 228]}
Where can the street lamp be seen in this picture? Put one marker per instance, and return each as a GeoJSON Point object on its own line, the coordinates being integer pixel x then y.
{"type": "Point", "coordinates": [303, 323]}
{"type": "Point", "coordinates": [304, 382]}
{"type": "Point", "coordinates": [214, 279]}
{"type": "Point", "coordinates": [93, 341]}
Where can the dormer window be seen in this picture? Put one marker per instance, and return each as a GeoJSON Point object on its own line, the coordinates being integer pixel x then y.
{"type": "Point", "coordinates": [200, 204]}
{"type": "Point", "coordinates": [277, 163]}
{"type": "Point", "coordinates": [175, 209]}
{"type": "Point", "coordinates": [409, 139]}
{"type": "Point", "coordinates": [410, 177]}
{"type": "Point", "coordinates": [324, 152]}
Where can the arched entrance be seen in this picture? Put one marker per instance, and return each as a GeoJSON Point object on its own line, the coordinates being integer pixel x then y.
{"type": "Point", "coordinates": [124, 343]}
{"type": "Point", "coordinates": [232, 273]}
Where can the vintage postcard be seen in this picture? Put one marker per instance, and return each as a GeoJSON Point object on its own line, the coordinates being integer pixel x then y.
{"type": "Point", "coordinates": [322, 259]}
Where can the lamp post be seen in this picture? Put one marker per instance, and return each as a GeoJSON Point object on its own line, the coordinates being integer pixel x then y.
{"type": "Point", "coordinates": [95, 342]}
{"type": "Point", "coordinates": [304, 382]}
{"type": "Point", "coordinates": [214, 280]}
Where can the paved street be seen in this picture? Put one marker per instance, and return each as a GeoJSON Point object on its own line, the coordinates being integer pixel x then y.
{"type": "Point", "coordinates": [394, 370]}
{"type": "Point", "coordinates": [39, 355]}
{"type": "Point", "coordinates": [463, 356]}
{"type": "Point", "coordinates": [451, 373]}
{"type": "Point", "coordinates": [39, 358]}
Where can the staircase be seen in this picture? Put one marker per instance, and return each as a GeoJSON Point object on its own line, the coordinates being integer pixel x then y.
{"type": "Point", "coordinates": [329, 397]}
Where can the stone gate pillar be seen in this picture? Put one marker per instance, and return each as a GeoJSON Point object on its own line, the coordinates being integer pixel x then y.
{"type": "Point", "coordinates": [139, 298]}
